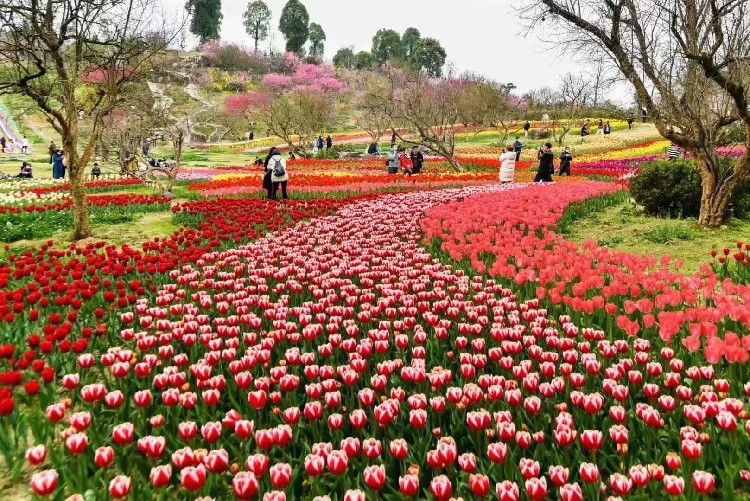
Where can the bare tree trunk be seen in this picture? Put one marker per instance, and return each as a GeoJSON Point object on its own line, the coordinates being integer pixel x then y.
{"type": "Point", "coordinates": [81, 219]}
{"type": "Point", "coordinates": [716, 194]}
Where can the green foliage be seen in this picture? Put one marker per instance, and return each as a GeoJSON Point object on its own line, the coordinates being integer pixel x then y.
{"type": "Point", "coordinates": [364, 61]}
{"type": "Point", "coordinates": [206, 20]}
{"type": "Point", "coordinates": [410, 41]}
{"type": "Point", "coordinates": [344, 58]}
{"type": "Point", "coordinates": [317, 40]}
{"type": "Point", "coordinates": [668, 233]}
{"type": "Point", "coordinates": [430, 56]}
{"type": "Point", "coordinates": [387, 45]}
{"type": "Point", "coordinates": [294, 26]}
{"type": "Point", "coordinates": [668, 189]}
{"type": "Point", "coordinates": [257, 19]}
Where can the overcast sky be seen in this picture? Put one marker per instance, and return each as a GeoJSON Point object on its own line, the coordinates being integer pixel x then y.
{"type": "Point", "coordinates": [480, 35]}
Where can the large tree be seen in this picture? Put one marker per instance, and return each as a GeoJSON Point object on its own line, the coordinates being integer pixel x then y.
{"type": "Point", "coordinates": [257, 20]}
{"type": "Point", "coordinates": [344, 58]}
{"type": "Point", "coordinates": [206, 20]}
{"type": "Point", "coordinates": [75, 60]}
{"type": "Point", "coordinates": [386, 45]}
{"type": "Point", "coordinates": [409, 41]}
{"type": "Point", "coordinates": [317, 40]}
{"type": "Point", "coordinates": [294, 25]}
{"type": "Point", "coordinates": [364, 61]}
{"type": "Point", "coordinates": [427, 108]}
{"type": "Point", "coordinates": [688, 63]}
{"type": "Point", "coordinates": [430, 56]}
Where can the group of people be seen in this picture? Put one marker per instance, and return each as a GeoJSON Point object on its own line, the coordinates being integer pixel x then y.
{"type": "Point", "coordinates": [603, 128]}
{"type": "Point", "coordinates": [6, 147]}
{"type": "Point", "coordinates": [409, 164]}
{"type": "Point", "coordinates": [546, 158]}
{"type": "Point", "coordinates": [321, 144]}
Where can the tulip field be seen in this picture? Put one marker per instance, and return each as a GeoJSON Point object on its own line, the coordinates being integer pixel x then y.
{"type": "Point", "coordinates": [374, 338]}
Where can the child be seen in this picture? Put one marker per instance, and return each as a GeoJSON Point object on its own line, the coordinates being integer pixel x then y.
{"type": "Point", "coordinates": [96, 171]}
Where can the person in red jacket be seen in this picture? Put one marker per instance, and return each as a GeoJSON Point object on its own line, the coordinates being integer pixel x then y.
{"type": "Point", "coordinates": [405, 163]}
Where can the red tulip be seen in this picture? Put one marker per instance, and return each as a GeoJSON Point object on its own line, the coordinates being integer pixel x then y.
{"type": "Point", "coordinates": [104, 456]}
{"type": "Point", "coordinates": [399, 448]}
{"type": "Point", "coordinates": [216, 461]}
{"type": "Point", "coordinates": [592, 440]}
{"type": "Point", "coordinates": [571, 492]}
{"type": "Point", "coordinates": [258, 464]}
{"type": "Point", "coordinates": [536, 488]}
{"type": "Point", "coordinates": [281, 475]}
{"type": "Point", "coordinates": [639, 475]}
{"type": "Point", "coordinates": [245, 485]}
{"type": "Point", "coordinates": [507, 491]}
{"type": "Point", "coordinates": [77, 443]}
{"type": "Point", "coordinates": [409, 485]}
{"type": "Point", "coordinates": [559, 475]}
{"type": "Point", "coordinates": [703, 482]}
{"type": "Point", "coordinates": [589, 473]}
{"type": "Point", "coordinates": [468, 462]}
{"type": "Point", "coordinates": [44, 483]}
{"type": "Point", "coordinates": [315, 465]}
{"type": "Point", "coordinates": [119, 487]}
{"type": "Point", "coordinates": [621, 485]}
{"type": "Point", "coordinates": [160, 476]}
{"type": "Point", "coordinates": [497, 452]}
{"type": "Point", "coordinates": [375, 477]}
{"type": "Point", "coordinates": [674, 486]}
{"type": "Point", "coordinates": [355, 495]}
{"type": "Point", "coordinates": [441, 487]}
{"type": "Point", "coordinates": [193, 478]}
{"type": "Point", "coordinates": [55, 413]}
{"type": "Point", "coordinates": [210, 431]}
{"type": "Point", "coordinates": [36, 455]}
{"type": "Point", "coordinates": [479, 484]}
{"type": "Point", "coordinates": [187, 430]}
{"type": "Point", "coordinates": [337, 462]}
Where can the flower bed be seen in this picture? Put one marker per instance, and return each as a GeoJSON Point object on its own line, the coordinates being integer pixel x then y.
{"type": "Point", "coordinates": [513, 237]}
{"type": "Point", "coordinates": [339, 356]}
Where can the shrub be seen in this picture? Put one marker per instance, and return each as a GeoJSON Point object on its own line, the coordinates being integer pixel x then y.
{"type": "Point", "coordinates": [673, 189]}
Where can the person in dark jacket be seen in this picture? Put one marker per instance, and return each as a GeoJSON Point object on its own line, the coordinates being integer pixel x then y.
{"type": "Point", "coordinates": [546, 165]}
{"type": "Point", "coordinates": [585, 130]}
{"type": "Point", "coordinates": [607, 129]}
{"type": "Point", "coordinates": [526, 128]}
{"type": "Point", "coordinates": [329, 143]}
{"type": "Point", "coordinates": [2, 144]}
{"type": "Point", "coordinates": [26, 172]}
{"type": "Point", "coordinates": [267, 183]}
{"type": "Point", "coordinates": [58, 165]}
{"type": "Point", "coordinates": [631, 119]}
{"type": "Point", "coordinates": [321, 143]}
{"type": "Point", "coordinates": [52, 150]}
{"type": "Point", "coordinates": [518, 147]}
{"type": "Point", "coordinates": [417, 160]}
{"type": "Point", "coordinates": [565, 160]}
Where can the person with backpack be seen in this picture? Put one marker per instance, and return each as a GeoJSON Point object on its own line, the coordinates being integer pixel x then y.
{"type": "Point", "coordinates": [565, 160]}
{"type": "Point", "coordinates": [279, 174]}
{"type": "Point", "coordinates": [96, 172]}
{"type": "Point", "coordinates": [546, 164]}
{"type": "Point", "coordinates": [267, 183]}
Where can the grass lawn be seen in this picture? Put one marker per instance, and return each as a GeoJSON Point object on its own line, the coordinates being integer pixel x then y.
{"type": "Point", "coordinates": [624, 227]}
{"type": "Point", "coordinates": [135, 233]}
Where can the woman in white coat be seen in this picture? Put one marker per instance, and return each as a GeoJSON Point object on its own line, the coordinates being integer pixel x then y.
{"type": "Point", "coordinates": [507, 165]}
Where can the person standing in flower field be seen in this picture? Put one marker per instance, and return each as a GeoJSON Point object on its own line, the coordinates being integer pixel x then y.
{"type": "Point", "coordinates": [600, 128]}
{"type": "Point", "coordinates": [508, 165]}
{"type": "Point", "coordinates": [417, 160]}
{"type": "Point", "coordinates": [546, 165]}
{"type": "Point", "coordinates": [526, 128]}
{"type": "Point", "coordinates": [279, 175]}
{"type": "Point", "coordinates": [607, 129]}
{"type": "Point", "coordinates": [393, 162]}
{"type": "Point", "coordinates": [267, 184]}
{"type": "Point", "coordinates": [405, 163]}
{"type": "Point", "coordinates": [329, 143]}
{"type": "Point", "coordinates": [631, 119]}
{"type": "Point", "coordinates": [517, 148]}
{"type": "Point", "coordinates": [58, 165]}
{"type": "Point", "coordinates": [565, 160]}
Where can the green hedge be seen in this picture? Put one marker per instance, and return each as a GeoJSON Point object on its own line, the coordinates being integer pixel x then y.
{"type": "Point", "coordinates": [673, 189]}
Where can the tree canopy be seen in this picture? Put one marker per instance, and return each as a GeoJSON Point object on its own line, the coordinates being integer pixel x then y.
{"type": "Point", "coordinates": [430, 56]}
{"type": "Point", "coordinates": [206, 20]}
{"type": "Point", "coordinates": [410, 40]}
{"type": "Point", "coordinates": [344, 58]}
{"type": "Point", "coordinates": [317, 40]}
{"type": "Point", "coordinates": [294, 25]}
{"type": "Point", "coordinates": [387, 45]}
{"type": "Point", "coordinates": [257, 19]}
{"type": "Point", "coordinates": [364, 61]}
